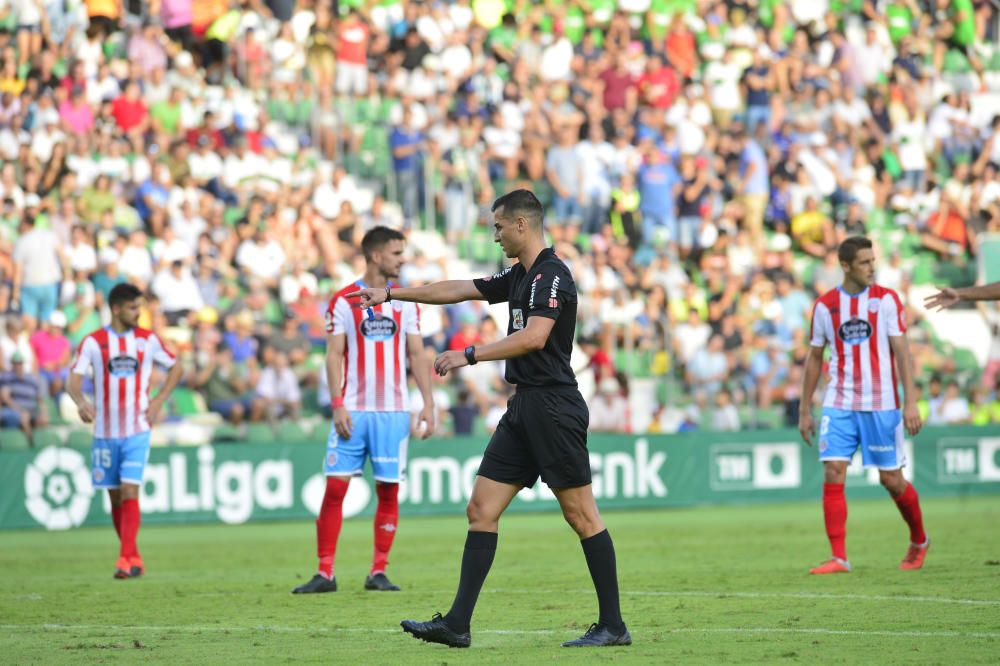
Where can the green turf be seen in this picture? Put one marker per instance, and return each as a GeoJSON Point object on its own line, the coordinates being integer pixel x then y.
{"type": "Point", "coordinates": [712, 585]}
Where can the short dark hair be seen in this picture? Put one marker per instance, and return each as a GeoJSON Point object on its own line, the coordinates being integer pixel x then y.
{"type": "Point", "coordinates": [521, 203]}
{"type": "Point", "coordinates": [377, 238]}
{"type": "Point", "coordinates": [123, 292]}
{"type": "Point", "coordinates": [849, 249]}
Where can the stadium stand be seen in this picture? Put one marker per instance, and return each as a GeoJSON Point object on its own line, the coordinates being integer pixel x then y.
{"type": "Point", "coordinates": [699, 161]}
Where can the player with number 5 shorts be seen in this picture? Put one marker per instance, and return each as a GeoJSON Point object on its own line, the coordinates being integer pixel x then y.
{"type": "Point", "coordinates": [120, 358]}
{"type": "Point", "coordinates": [865, 326]}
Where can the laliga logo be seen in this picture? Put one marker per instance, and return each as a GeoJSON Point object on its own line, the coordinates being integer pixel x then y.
{"type": "Point", "coordinates": [57, 488]}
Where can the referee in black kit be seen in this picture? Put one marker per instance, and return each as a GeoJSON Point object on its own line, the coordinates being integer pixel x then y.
{"type": "Point", "coordinates": [544, 431]}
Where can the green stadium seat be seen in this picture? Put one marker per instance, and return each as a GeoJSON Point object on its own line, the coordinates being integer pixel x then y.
{"type": "Point", "coordinates": [43, 437]}
{"type": "Point", "coordinates": [260, 433]}
{"type": "Point", "coordinates": [80, 439]}
{"type": "Point", "coordinates": [289, 431]}
{"type": "Point", "coordinates": [226, 432]}
{"type": "Point", "coordinates": [13, 439]}
{"type": "Point", "coordinates": [187, 402]}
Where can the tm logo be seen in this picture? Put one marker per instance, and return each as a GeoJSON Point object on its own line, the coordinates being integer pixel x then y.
{"type": "Point", "coordinates": [969, 459]}
{"type": "Point", "coordinates": [57, 488]}
{"type": "Point", "coordinates": [754, 466]}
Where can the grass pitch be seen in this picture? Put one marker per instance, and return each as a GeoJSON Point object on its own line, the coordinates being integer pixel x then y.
{"type": "Point", "coordinates": [708, 585]}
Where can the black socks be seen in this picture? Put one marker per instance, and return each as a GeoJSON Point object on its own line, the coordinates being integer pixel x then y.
{"type": "Point", "coordinates": [600, 553]}
{"type": "Point", "coordinates": [480, 547]}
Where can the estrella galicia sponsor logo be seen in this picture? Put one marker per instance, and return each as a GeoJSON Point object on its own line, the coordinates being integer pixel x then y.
{"type": "Point", "coordinates": [855, 331]}
{"type": "Point", "coordinates": [378, 329]}
{"type": "Point", "coordinates": [122, 366]}
{"type": "Point", "coordinates": [57, 488]}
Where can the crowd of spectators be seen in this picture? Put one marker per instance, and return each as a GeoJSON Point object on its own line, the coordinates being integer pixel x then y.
{"type": "Point", "coordinates": [699, 161]}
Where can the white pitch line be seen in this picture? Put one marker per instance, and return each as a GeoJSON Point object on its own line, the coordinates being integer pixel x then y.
{"type": "Point", "coordinates": [510, 632]}
{"type": "Point", "coordinates": [770, 595]}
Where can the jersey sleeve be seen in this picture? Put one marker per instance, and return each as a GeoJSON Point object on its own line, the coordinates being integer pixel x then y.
{"type": "Point", "coordinates": [85, 356]}
{"type": "Point", "coordinates": [821, 325]}
{"type": "Point", "coordinates": [338, 316]}
{"type": "Point", "coordinates": [552, 289]}
{"type": "Point", "coordinates": [161, 355]}
{"type": "Point", "coordinates": [895, 315]}
{"type": "Point", "coordinates": [411, 319]}
{"type": "Point", "coordinates": [496, 287]}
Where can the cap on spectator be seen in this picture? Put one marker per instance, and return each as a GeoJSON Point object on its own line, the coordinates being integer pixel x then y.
{"type": "Point", "coordinates": [469, 318]}
{"type": "Point", "coordinates": [17, 357]}
{"type": "Point", "coordinates": [58, 319]}
{"type": "Point", "coordinates": [207, 315]}
{"type": "Point", "coordinates": [32, 200]}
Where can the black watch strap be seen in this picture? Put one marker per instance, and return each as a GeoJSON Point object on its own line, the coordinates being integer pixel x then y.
{"type": "Point", "coordinates": [470, 355]}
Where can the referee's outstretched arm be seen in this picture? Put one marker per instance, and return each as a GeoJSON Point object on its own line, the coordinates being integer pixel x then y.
{"type": "Point", "coordinates": [438, 293]}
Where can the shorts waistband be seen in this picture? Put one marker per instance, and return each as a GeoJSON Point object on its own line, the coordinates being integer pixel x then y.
{"type": "Point", "coordinates": [548, 389]}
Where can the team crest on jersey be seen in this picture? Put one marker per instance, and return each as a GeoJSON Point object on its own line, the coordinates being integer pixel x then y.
{"type": "Point", "coordinates": [874, 304]}
{"type": "Point", "coordinates": [122, 366]}
{"type": "Point", "coordinates": [140, 345]}
{"type": "Point", "coordinates": [397, 306]}
{"type": "Point", "coordinates": [855, 331]}
{"type": "Point", "coordinates": [518, 318]}
{"type": "Point", "coordinates": [378, 329]}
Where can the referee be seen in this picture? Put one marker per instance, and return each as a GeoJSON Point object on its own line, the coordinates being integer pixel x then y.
{"type": "Point", "coordinates": [544, 431]}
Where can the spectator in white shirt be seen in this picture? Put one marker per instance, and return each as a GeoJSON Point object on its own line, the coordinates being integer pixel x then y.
{"type": "Point", "coordinates": [954, 406]}
{"type": "Point", "coordinates": [178, 292]}
{"type": "Point", "coordinates": [261, 257]}
{"type": "Point", "coordinates": [135, 261]}
{"type": "Point", "coordinates": [279, 387]}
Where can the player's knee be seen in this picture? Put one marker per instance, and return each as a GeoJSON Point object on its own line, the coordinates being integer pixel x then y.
{"type": "Point", "coordinates": [480, 515]}
{"type": "Point", "coordinates": [582, 519]}
{"type": "Point", "coordinates": [892, 480]}
{"type": "Point", "coordinates": [388, 494]}
{"type": "Point", "coordinates": [336, 490]}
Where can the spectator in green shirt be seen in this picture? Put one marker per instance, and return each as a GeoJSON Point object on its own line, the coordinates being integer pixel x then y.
{"type": "Point", "coordinates": [955, 23]}
{"type": "Point", "coordinates": [225, 387]}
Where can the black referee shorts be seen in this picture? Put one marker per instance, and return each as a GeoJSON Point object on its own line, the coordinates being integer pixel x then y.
{"type": "Point", "coordinates": [543, 433]}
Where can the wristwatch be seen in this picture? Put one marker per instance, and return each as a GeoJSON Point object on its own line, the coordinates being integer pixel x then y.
{"type": "Point", "coordinates": [470, 355]}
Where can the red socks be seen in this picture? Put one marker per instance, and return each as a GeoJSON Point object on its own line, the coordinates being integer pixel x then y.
{"type": "Point", "coordinates": [129, 528]}
{"type": "Point", "coordinates": [331, 518]}
{"type": "Point", "coordinates": [116, 518]}
{"type": "Point", "coordinates": [835, 516]}
{"type": "Point", "coordinates": [386, 519]}
{"type": "Point", "coordinates": [909, 506]}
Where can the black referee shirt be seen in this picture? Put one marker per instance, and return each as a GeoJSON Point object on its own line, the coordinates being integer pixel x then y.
{"type": "Point", "coordinates": [544, 290]}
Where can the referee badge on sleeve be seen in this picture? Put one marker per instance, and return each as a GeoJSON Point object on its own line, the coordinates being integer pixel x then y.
{"type": "Point", "coordinates": [518, 318]}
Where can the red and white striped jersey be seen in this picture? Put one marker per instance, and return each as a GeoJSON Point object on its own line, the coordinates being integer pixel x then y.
{"type": "Point", "coordinates": [858, 328]}
{"type": "Point", "coordinates": [122, 365]}
{"type": "Point", "coordinates": [374, 379]}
